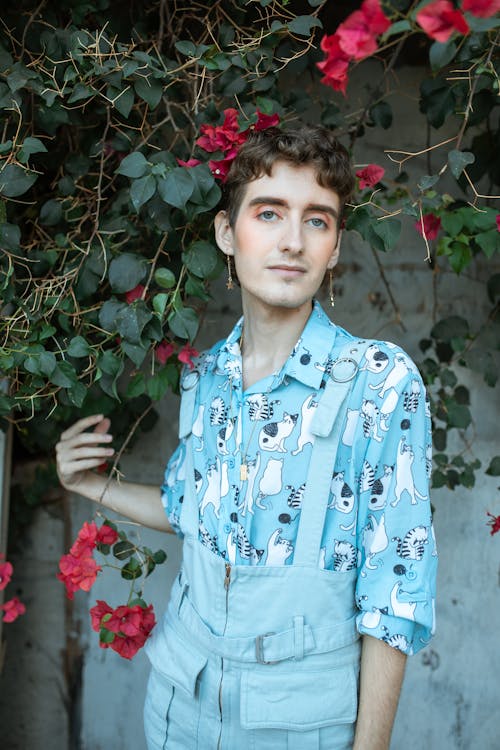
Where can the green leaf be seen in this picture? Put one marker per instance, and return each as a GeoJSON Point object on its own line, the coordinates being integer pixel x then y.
{"type": "Point", "coordinates": [10, 236]}
{"type": "Point", "coordinates": [427, 181]}
{"type": "Point", "coordinates": [177, 187]}
{"type": "Point", "coordinates": [64, 375]}
{"type": "Point", "coordinates": [135, 352]}
{"type": "Point", "coordinates": [458, 160]}
{"type": "Point", "coordinates": [452, 222]}
{"type": "Point", "coordinates": [106, 636]}
{"type": "Point", "coordinates": [134, 165]}
{"type": "Point", "coordinates": [51, 213]}
{"type": "Point", "coordinates": [493, 469]}
{"type": "Point", "coordinates": [131, 321]}
{"type": "Point", "coordinates": [184, 323]}
{"type": "Point", "coordinates": [397, 28]}
{"type": "Point", "coordinates": [77, 394]}
{"type": "Point", "coordinates": [30, 146]}
{"type": "Point", "coordinates": [78, 347]}
{"type": "Point", "coordinates": [132, 569]}
{"type": "Point", "coordinates": [381, 114]}
{"type": "Point", "coordinates": [110, 363]}
{"type": "Point", "coordinates": [80, 92]}
{"type": "Point", "coordinates": [14, 181]}
{"type": "Point", "coordinates": [389, 231]}
{"type": "Point", "coordinates": [450, 328]}
{"type": "Point", "coordinates": [458, 415]}
{"type": "Point", "coordinates": [164, 278]}
{"type": "Point", "coordinates": [124, 102]}
{"type": "Point", "coordinates": [437, 100]}
{"type": "Point", "coordinates": [109, 313]}
{"type": "Point", "coordinates": [200, 258]}
{"type": "Point", "coordinates": [302, 25]}
{"type": "Point", "coordinates": [142, 190]}
{"type": "Point", "coordinates": [160, 303]}
{"type": "Point", "coordinates": [150, 90]}
{"type": "Point", "coordinates": [489, 242]}
{"type": "Point", "coordinates": [123, 550]}
{"type": "Point", "coordinates": [442, 53]}
{"type": "Point", "coordinates": [186, 48]}
{"type": "Point", "coordinates": [161, 382]}
{"type": "Point", "coordinates": [460, 256]}
{"type": "Point", "coordinates": [159, 557]}
{"type": "Point", "coordinates": [126, 271]}
{"type": "Point", "coordinates": [136, 386]}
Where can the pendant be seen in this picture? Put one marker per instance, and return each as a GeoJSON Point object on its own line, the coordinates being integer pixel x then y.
{"type": "Point", "coordinates": [243, 472]}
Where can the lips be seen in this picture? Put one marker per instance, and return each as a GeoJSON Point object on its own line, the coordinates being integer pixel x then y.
{"type": "Point", "coordinates": [290, 269]}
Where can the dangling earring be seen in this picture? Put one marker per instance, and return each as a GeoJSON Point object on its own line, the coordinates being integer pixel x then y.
{"type": "Point", "coordinates": [229, 282]}
{"type": "Point", "coordinates": [331, 293]}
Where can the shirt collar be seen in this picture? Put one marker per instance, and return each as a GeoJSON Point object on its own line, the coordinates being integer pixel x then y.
{"type": "Point", "coordinates": [307, 360]}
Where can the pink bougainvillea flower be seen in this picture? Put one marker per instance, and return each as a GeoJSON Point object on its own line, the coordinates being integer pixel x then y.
{"type": "Point", "coordinates": [12, 609]}
{"type": "Point", "coordinates": [106, 534]}
{"type": "Point", "coordinates": [6, 571]}
{"type": "Point", "coordinates": [440, 20]}
{"type": "Point", "coordinates": [126, 620]}
{"type": "Point", "coordinates": [431, 226]}
{"type": "Point", "coordinates": [336, 65]}
{"type": "Point", "coordinates": [370, 175]}
{"type": "Point", "coordinates": [357, 35]}
{"type": "Point", "coordinates": [494, 522]}
{"type": "Point", "coordinates": [188, 163]}
{"type": "Point", "coordinates": [77, 573]}
{"type": "Point", "coordinates": [164, 350]}
{"type": "Point", "coordinates": [186, 355]}
{"type": "Point", "coordinates": [266, 121]}
{"type": "Point", "coordinates": [85, 541]}
{"type": "Point", "coordinates": [498, 222]}
{"type": "Point", "coordinates": [221, 168]}
{"type": "Point", "coordinates": [135, 293]}
{"type": "Point", "coordinates": [97, 612]}
{"type": "Point", "coordinates": [222, 137]}
{"type": "Point", "coordinates": [481, 8]}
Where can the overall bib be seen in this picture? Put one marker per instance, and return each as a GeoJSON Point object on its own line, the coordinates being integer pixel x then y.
{"type": "Point", "coordinates": [260, 657]}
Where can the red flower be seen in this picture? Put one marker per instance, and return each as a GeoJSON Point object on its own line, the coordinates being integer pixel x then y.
{"type": "Point", "coordinates": [481, 8]}
{"type": "Point", "coordinates": [185, 355]}
{"type": "Point", "coordinates": [222, 137]}
{"type": "Point", "coordinates": [336, 65]}
{"type": "Point", "coordinates": [97, 613]}
{"type": "Point", "coordinates": [6, 571]}
{"type": "Point", "coordinates": [266, 121]}
{"type": "Point", "coordinates": [135, 293]}
{"type": "Point", "coordinates": [432, 225]}
{"type": "Point", "coordinates": [85, 541]}
{"type": "Point", "coordinates": [77, 573]}
{"type": "Point", "coordinates": [13, 608]}
{"type": "Point", "coordinates": [164, 350]}
{"type": "Point", "coordinates": [188, 163]}
{"type": "Point", "coordinates": [370, 175]}
{"type": "Point", "coordinates": [125, 620]}
{"type": "Point", "coordinates": [106, 535]}
{"type": "Point", "coordinates": [498, 222]}
{"type": "Point", "coordinates": [440, 19]}
{"type": "Point", "coordinates": [357, 35]}
{"type": "Point", "coordinates": [494, 522]}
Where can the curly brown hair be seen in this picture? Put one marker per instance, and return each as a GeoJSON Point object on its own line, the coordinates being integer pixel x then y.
{"type": "Point", "coordinates": [313, 146]}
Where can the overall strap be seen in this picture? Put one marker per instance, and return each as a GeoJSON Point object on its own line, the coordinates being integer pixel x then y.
{"type": "Point", "coordinates": [326, 427]}
{"type": "Point", "coordinates": [189, 391]}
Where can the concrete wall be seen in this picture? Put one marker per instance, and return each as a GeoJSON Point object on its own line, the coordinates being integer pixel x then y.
{"type": "Point", "coordinates": [451, 693]}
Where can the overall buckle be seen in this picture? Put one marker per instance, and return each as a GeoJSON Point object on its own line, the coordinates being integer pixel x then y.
{"type": "Point", "coordinates": [259, 649]}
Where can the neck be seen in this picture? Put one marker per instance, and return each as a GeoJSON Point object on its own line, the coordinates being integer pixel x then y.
{"type": "Point", "coordinates": [269, 335]}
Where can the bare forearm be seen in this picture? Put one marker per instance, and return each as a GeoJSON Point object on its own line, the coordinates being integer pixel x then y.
{"type": "Point", "coordinates": [139, 502]}
{"type": "Point", "coordinates": [381, 677]}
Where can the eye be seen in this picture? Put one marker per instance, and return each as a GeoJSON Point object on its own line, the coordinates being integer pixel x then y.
{"type": "Point", "coordinates": [267, 215]}
{"type": "Point", "coordinates": [317, 222]}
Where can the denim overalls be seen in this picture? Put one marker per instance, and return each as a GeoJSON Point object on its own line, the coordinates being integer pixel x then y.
{"type": "Point", "coordinates": [260, 657]}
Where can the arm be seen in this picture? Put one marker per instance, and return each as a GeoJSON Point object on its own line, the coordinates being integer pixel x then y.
{"type": "Point", "coordinates": [381, 677]}
{"type": "Point", "coordinates": [79, 452]}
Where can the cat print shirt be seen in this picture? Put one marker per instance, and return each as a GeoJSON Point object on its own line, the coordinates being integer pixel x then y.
{"type": "Point", "coordinates": [378, 519]}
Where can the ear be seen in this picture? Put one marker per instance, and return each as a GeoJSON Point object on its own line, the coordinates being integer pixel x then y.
{"type": "Point", "coordinates": [224, 233]}
{"type": "Point", "coordinates": [334, 259]}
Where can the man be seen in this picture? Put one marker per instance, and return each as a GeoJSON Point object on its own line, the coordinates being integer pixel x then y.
{"type": "Point", "coordinates": [299, 486]}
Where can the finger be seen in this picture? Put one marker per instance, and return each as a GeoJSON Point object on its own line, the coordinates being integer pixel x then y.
{"type": "Point", "coordinates": [79, 453]}
{"type": "Point", "coordinates": [84, 438]}
{"type": "Point", "coordinates": [81, 425]}
{"type": "Point", "coordinates": [74, 467]}
{"type": "Point", "coordinates": [103, 426]}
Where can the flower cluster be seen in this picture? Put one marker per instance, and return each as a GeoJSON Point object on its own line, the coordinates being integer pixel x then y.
{"type": "Point", "coordinates": [441, 19]}
{"type": "Point", "coordinates": [228, 137]}
{"type": "Point", "coordinates": [13, 607]}
{"type": "Point", "coordinates": [355, 39]}
{"type": "Point", "coordinates": [428, 226]}
{"type": "Point", "coordinates": [165, 349]}
{"type": "Point", "coordinates": [125, 629]}
{"type": "Point", "coordinates": [78, 569]}
{"type": "Point", "coordinates": [369, 175]}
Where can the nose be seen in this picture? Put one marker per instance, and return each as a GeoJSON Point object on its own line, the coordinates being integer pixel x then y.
{"type": "Point", "coordinates": [292, 239]}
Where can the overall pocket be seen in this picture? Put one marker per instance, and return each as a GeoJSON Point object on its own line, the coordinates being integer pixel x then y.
{"type": "Point", "coordinates": [314, 709]}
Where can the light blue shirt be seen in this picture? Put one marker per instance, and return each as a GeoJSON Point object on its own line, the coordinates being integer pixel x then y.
{"type": "Point", "coordinates": [378, 518]}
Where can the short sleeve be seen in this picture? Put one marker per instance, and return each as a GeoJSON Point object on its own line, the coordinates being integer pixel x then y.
{"type": "Point", "coordinates": [395, 590]}
{"type": "Point", "coordinates": [172, 489]}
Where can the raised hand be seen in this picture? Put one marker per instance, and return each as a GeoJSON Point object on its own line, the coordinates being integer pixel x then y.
{"type": "Point", "coordinates": [79, 451]}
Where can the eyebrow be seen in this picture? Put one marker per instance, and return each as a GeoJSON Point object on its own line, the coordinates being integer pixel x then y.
{"type": "Point", "coordinates": [269, 200]}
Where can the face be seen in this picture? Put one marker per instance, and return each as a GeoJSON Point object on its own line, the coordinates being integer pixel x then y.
{"type": "Point", "coordinates": [284, 239]}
